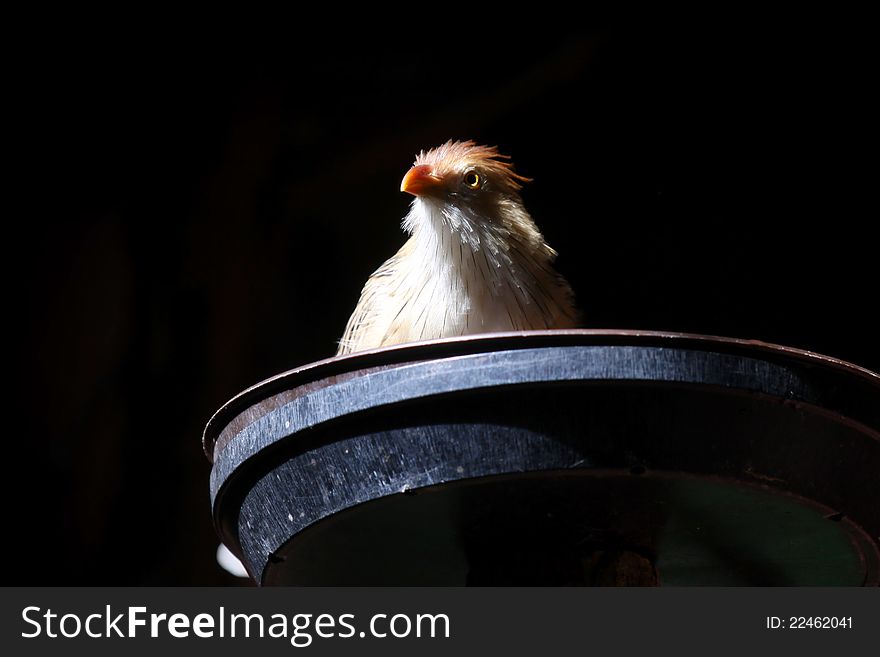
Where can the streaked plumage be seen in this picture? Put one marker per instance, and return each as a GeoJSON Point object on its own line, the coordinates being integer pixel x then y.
{"type": "Point", "coordinates": [475, 261]}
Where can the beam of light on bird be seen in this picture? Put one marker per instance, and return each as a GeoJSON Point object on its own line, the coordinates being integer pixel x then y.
{"type": "Point", "coordinates": [475, 261]}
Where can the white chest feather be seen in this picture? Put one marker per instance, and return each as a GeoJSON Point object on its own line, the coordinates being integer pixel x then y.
{"type": "Point", "coordinates": [459, 276]}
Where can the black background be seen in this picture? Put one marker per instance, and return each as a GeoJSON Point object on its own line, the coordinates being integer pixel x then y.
{"type": "Point", "coordinates": [202, 211]}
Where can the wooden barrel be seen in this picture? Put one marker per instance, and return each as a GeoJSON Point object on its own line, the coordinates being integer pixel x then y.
{"type": "Point", "coordinates": [584, 457]}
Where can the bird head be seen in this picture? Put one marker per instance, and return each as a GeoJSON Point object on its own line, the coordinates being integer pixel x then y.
{"type": "Point", "coordinates": [466, 184]}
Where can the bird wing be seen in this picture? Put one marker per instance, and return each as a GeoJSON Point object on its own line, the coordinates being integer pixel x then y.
{"type": "Point", "coordinates": [375, 314]}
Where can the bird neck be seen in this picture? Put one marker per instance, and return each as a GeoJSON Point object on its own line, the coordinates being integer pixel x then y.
{"type": "Point", "coordinates": [495, 272]}
{"type": "Point", "coordinates": [448, 233]}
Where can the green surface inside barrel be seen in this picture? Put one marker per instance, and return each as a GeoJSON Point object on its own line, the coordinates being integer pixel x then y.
{"type": "Point", "coordinates": [571, 528]}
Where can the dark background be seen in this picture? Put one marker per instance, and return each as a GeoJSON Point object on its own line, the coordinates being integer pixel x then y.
{"type": "Point", "coordinates": [202, 213]}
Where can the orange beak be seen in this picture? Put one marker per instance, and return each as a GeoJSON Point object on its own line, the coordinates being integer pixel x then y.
{"type": "Point", "coordinates": [419, 180]}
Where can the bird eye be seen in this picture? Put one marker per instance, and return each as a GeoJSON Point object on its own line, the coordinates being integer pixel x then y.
{"type": "Point", "coordinates": [473, 180]}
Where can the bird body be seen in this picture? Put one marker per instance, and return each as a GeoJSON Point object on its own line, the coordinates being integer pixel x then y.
{"type": "Point", "coordinates": [475, 262]}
